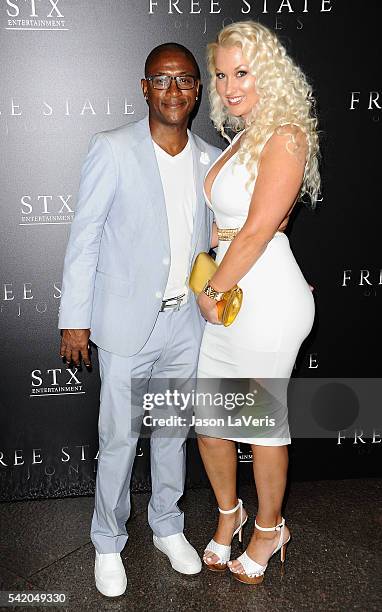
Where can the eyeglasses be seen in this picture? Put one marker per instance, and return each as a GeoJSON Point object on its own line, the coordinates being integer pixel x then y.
{"type": "Point", "coordinates": [163, 81]}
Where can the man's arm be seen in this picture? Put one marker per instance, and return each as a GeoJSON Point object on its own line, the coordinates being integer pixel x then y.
{"type": "Point", "coordinates": [98, 183]}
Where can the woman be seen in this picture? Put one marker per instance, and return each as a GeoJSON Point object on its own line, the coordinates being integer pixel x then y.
{"type": "Point", "coordinates": [258, 91]}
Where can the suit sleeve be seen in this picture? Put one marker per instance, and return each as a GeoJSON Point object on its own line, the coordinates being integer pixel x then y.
{"type": "Point", "coordinates": [98, 185]}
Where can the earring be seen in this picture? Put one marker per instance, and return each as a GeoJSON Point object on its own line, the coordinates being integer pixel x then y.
{"type": "Point", "coordinates": [196, 99]}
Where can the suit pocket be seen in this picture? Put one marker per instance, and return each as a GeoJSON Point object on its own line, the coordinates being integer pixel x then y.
{"type": "Point", "coordinates": [111, 284]}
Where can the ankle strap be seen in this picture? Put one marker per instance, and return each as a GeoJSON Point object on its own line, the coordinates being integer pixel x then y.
{"type": "Point", "coordinates": [277, 528]}
{"type": "Point", "coordinates": [239, 505]}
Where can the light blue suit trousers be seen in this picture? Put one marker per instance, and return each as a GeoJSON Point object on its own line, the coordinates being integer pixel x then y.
{"type": "Point", "coordinates": [170, 352]}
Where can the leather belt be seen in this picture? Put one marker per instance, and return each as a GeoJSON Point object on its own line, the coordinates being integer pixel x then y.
{"type": "Point", "coordinates": [174, 302]}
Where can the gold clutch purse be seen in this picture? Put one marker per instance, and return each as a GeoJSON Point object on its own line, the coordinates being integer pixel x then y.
{"type": "Point", "coordinates": [203, 269]}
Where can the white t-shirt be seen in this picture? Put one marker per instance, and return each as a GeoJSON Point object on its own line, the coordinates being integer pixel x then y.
{"type": "Point", "coordinates": [177, 175]}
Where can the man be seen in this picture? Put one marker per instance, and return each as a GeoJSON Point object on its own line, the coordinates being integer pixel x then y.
{"type": "Point", "coordinates": [140, 221]}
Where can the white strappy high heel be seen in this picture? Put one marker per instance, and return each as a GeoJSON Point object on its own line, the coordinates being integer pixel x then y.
{"type": "Point", "coordinates": [222, 551]}
{"type": "Point", "coordinates": [253, 571]}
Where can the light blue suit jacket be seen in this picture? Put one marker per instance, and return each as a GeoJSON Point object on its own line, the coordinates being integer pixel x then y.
{"type": "Point", "coordinates": [117, 258]}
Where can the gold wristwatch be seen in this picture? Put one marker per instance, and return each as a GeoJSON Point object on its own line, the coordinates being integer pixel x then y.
{"type": "Point", "coordinates": [212, 293]}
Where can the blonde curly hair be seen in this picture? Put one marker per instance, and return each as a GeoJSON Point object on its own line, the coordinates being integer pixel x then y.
{"type": "Point", "coordinates": [285, 98]}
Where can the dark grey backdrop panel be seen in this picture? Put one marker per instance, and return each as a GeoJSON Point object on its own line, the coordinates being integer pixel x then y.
{"type": "Point", "coordinates": [71, 68]}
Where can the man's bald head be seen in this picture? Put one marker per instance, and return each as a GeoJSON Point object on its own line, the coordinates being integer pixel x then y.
{"type": "Point", "coordinates": [168, 48]}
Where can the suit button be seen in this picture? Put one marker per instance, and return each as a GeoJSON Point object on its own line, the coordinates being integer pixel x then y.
{"type": "Point", "coordinates": [166, 261]}
{"type": "Point", "coordinates": [158, 294]}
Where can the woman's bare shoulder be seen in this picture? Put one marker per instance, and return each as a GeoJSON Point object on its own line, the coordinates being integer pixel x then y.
{"type": "Point", "coordinates": [294, 139]}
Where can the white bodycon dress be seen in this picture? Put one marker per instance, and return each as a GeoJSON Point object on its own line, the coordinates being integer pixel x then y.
{"type": "Point", "coordinates": [262, 343]}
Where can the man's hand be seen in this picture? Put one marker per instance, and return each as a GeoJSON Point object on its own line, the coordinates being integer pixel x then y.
{"type": "Point", "coordinates": [74, 344]}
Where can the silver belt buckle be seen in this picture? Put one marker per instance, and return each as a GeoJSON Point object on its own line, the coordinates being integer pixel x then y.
{"type": "Point", "coordinates": [177, 304]}
{"type": "Point", "coordinates": [179, 301]}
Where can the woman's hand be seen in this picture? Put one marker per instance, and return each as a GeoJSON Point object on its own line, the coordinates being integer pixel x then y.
{"type": "Point", "coordinates": [208, 308]}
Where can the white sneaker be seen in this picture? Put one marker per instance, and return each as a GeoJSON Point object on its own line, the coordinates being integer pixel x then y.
{"type": "Point", "coordinates": [183, 557]}
{"type": "Point", "coordinates": [110, 575]}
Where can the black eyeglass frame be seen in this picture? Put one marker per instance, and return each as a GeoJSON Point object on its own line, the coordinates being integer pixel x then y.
{"type": "Point", "coordinates": [172, 78]}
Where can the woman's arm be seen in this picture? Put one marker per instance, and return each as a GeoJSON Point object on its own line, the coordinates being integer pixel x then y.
{"type": "Point", "coordinates": [281, 171]}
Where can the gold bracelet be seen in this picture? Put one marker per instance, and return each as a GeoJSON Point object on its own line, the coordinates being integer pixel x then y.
{"type": "Point", "coordinates": [212, 293]}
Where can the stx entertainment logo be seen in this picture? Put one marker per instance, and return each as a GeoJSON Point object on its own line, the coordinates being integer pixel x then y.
{"type": "Point", "coordinates": [46, 210]}
{"type": "Point", "coordinates": [35, 15]}
{"type": "Point", "coordinates": [244, 453]}
{"type": "Point", "coordinates": [55, 381]}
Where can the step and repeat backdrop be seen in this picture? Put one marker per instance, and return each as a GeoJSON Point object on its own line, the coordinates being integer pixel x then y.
{"type": "Point", "coordinates": [71, 68]}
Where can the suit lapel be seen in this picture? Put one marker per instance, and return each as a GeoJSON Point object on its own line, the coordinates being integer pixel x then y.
{"type": "Point", "coordinates": [199, 172]}
{"type": "Point", "coordinates": [151, 179]}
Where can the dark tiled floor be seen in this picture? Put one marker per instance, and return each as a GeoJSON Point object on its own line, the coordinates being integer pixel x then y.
{"type": "Point", "coordinates": [333, 560]}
